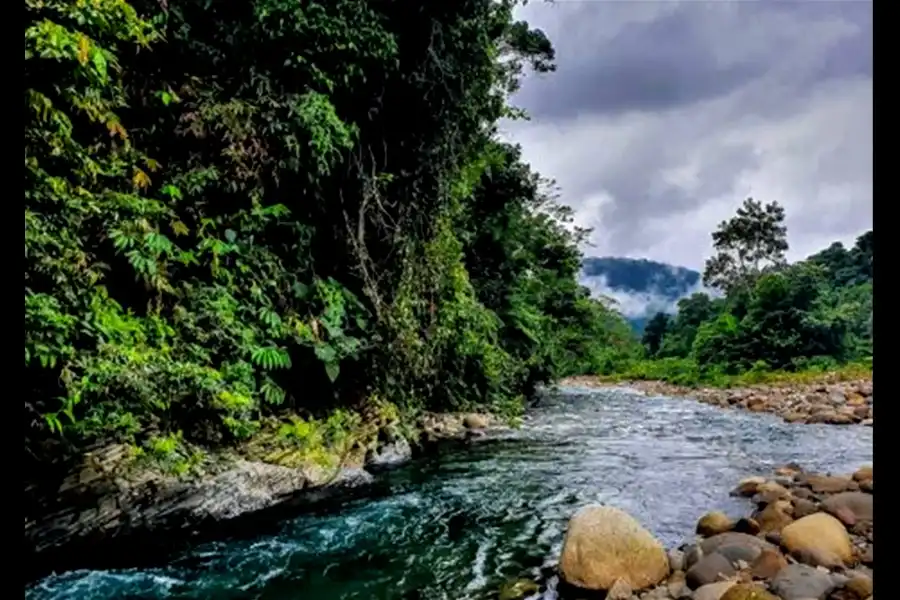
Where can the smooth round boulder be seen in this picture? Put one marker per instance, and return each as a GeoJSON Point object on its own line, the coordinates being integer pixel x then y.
{"type": "Point", "coordinates": [714, 523]}
{"type": "Point", "coordinates": [732, 538]}
{"type": "Point", "coordinates": [475, 421]}
{"type": "Point", "coordinates": [864, 473]}
{"type": "Point", "coordinates": [604, 544]}
{"type": "Point", "coordinates": [818, 540]}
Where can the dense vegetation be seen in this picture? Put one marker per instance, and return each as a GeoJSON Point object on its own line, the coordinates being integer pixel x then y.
{"type": "Point", "coordinates": [237, 212]}
{"type": "Point", "coordinates": [815, 314]}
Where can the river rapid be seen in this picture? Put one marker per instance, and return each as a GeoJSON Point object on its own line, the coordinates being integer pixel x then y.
{"type": "Point", "coordinates": [458, 525]}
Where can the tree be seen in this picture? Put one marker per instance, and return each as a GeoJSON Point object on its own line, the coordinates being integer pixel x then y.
{"type": "Point", "coordinates": [654, 331]}
{"type": "Point", "coordinates": [747, 245]}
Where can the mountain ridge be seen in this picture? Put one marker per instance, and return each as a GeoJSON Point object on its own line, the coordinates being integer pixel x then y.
{"type": "Point", "coordinates": [640, 287]}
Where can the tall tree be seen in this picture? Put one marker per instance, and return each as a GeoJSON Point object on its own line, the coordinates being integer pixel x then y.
{"type": "Point", "coordinates": [749, 244]}
{"type": "Point", "coordinates": [654, 331]}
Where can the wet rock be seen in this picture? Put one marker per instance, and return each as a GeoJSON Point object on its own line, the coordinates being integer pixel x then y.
{"type": "Point", "coordinates": [767, 564]}
{"type": "Point", "coordinates": [748, 591]}
{"type": "Point", "coordinates": [709, 569]}
{"type": "Point", "coordinates": [603, 544]}
{"type": "Point", "coordinates": [859, 505]}
{"type": "Point", "coordinates": [714, 523]}
{"type": "Point", "coordinates": [713, 591]}
{"type": "Point", "coordinates": [789, 470]}
{"type": "Point", "coordinates": [826, 484]}
{"type": "Point", "coordinates": [739, 553]}
{"type": "Point", "coordinates": [620, 590]}
{"type": "Point", "coordinates": [731, 538]}
{"type": "Point", "coordinates": [518, 589]}
{"type": "Point", "coordinates": [676, 560]}
{"type": "Point", "coordinates": [802, 582]}
{"type": "Point", "coordinates": [475, 421]}
{"type": "Point", "coordinates": [159, 504]}
{"type": "Point", "coordinates": [748, 487]}
{"type": "Point", "coordinates": [771, 491]}
{"type": "Point", "coordinates": [819, 540]}
{"type": "Point", "coordinates": [389, 455]}
{"type": "Point", "coordinates": [692, 555]}
{"type": "Point", "coordinates": [774, 517]}
{"type": "Point", "coordinates": [868, 556]}
{"type": "Point", "coordinates": [858, 587]}
{"type": "Point", "coordinates": [746, 525]}
{"type": "Point", "coordinates": [677, 586]}
{"type": "Point", "coordinates": [804, 508]}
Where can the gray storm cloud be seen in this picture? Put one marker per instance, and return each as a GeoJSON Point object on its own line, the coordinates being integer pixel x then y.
{"type": "Point", "coordinates": [664, 116]}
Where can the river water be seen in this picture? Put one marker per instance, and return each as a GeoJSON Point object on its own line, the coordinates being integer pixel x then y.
{"type": "Point", "coordinates": [458, 525]}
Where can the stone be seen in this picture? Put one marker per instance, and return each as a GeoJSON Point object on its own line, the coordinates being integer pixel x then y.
{"type": "Point", "coordinates": [475, 421]}
{"type": "Point", "coordinates": [802, 582]}
{"type": "Point", "coordinates": [819, 540]}
{"type": "Point", "coordinates": [746, 525]}
{"type": "Point", "coordinates": [731, 538]}
{"type": "Point", "coordinates": [603, 544]}
{"type": "Point", "coordinates": [858, 587]}
{"type": "Point", "coordinates": [714, 523]}
{"type": "Point", "coordinates": [709, 569]}
{"type": "Point", "coordinates": [739, 553]}
{"type": "Point", "coordinates": [692, 555]}
{"type": "Point", "coordinates": [676, 560]}
{"type": "Point", "coordinates": [826, 484]}
{"type": "Point", "coordinates": [773, 490]}
{"type": "Point", "coordinates": [390, 455]}
{"type": "Point", "coordinates": [804, 507]}
{"type": "Point", "coordinates": [712, 591]}
{"type": "Point", "coordinates": [767, 564]}
{"type": "Point", "coordinates": [774, 517]}
{"type": "Point", "coordinates": [748, 591]}
{"type": "Point", "coordinates": [859, 505]}
{"type": "Point", "coordinates": [789, 470]}
{"type": "Point", "coordinates": [747, 487]}
{"type": "Point", "coordinates": [620, 590]}
{"type": "Point", "coordinates": [676, 585]}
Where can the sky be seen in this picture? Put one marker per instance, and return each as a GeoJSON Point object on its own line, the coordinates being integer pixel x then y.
{"type": "Point", "coordinates": [663, 116]}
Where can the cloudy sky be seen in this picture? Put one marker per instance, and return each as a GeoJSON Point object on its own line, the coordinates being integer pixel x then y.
{"type": "Point", "coordinates": [663, 116]}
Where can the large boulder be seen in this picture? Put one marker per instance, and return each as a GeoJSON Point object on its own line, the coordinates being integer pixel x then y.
{"type": "Point", "coordinates": [818, 540]}
{"type": "Point", "coordinates": [604, 544]}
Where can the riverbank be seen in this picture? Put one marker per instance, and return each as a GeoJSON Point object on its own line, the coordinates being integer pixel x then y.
{"type": "Point", "coordinates": [809, 537]}
{"type": "Point", "coordinates": [842, 402]}
{"type": "Point", "coordinates": [118, 510]}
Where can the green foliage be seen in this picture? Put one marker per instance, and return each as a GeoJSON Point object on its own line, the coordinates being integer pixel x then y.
{"type": "Point", "coordinates": [747, 245]}
{"type": "Point", "coordinates": [811, 316]}
{"type": "Point", "coordinates": [236, 212]}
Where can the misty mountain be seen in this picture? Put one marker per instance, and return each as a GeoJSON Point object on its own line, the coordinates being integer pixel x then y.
{"type": "Point", "coordinates": [640, 287]}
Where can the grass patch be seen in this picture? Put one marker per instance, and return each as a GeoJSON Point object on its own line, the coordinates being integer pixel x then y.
{"type": "Point", "coordinates": [687, 373]}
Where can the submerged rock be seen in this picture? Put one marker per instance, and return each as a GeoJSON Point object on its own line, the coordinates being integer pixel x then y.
{"type": "Point", "coordinates": [389, 455]}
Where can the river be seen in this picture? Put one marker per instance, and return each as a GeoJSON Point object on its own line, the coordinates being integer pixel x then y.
{"type": "Point", "coordinates": [456, 526]}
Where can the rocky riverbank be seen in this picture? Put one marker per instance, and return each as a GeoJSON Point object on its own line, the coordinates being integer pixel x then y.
{"type": "Point", "coordinates": [108, 510]}
{"type": "Point", "coordinates": [809, 537]}
{"type": "Point", "coordinates": [832, 403]}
